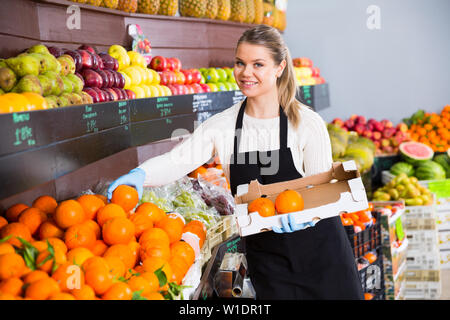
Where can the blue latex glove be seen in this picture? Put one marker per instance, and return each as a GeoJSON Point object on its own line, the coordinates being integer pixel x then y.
{"type": "Point", "coordinates": [291, 226]}
{"type": "Point", "coordinates": [135, 178]}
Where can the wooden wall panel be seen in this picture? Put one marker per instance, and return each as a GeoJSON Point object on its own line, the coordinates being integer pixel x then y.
{"type": "Point", "coordinates": [20, 18]}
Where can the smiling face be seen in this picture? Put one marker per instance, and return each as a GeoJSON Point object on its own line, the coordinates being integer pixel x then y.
{"type": "Point", "coordinates": [255, 70]}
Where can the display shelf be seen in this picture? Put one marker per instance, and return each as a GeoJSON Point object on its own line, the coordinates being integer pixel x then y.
{"type": "Point", "coordinates": [39, 146]}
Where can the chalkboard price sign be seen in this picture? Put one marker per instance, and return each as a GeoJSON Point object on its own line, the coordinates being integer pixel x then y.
{"type": "Point", "coordinates": [89, 115]}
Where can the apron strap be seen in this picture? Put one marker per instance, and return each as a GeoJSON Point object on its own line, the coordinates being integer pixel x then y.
{"type": "Point", "coordinates": [238, 128]}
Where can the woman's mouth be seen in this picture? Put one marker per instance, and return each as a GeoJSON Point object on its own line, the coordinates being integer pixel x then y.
{"type": "Point", "coordinates": [248, 84]}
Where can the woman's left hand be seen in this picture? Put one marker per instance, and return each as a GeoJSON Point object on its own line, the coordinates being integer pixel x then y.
{"type": "Point", "coordinates": [291, 226]}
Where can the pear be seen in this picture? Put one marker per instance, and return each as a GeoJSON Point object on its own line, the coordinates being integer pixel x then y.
{"type": "Point", "coordinates": [3, 63]}
{"type": "Point", "coordinates": [29, 83]}
{"type": "Point", "coordinates": [76, 99]}
{"type": "Point", "coordinates": [87, 99]}
{"type": "Point", "coordinates": [24, 65]}
{"type": "Point", "coordinates": [38, 48]}
{"type": "Point", "coordinates": [68, 86]}
{"type": "Point", "coordinates": [77, 83]}
{"type": "Point", "coordinates": [57, 82]}
{"type": "Point", "coordinates": [63, 101]}
{"type": "Point", "coordinates": [67, 64]}
{"type": "Point", "coordinates": [46, 84]}
{"type": "Point", "coordinates": [52, 101]}
{"type": "Point", "coordinates": [7, 79]}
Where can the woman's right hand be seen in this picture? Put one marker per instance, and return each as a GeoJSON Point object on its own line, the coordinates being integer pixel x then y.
{"type": "Point", "coordinates": [135, 178]}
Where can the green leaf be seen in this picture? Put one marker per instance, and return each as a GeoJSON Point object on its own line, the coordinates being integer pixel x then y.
{"type": "Point", "coordinates": [51, 250]}
{"type": "Point", "coordinates": [29, 253]}
{"type": "Point", "coordinates": [137, 296]}
{"type": "Point", "coordinates": [5, 238]}
{"type": "Point", "coordinates": [161, 275]}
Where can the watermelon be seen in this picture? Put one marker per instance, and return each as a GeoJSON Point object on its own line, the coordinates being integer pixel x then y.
{"type": "Point", "coordinates": [430, 170]}
{"type": "Point", "coordinates": [444, 161]}
{"type": "Point", "coordinates": [402, 167]}
{"type": "Point", "coordinates": [415, 152]}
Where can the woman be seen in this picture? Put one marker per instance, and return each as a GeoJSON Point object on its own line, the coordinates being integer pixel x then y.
{"type": "Point", "coordinates": [271, 137]}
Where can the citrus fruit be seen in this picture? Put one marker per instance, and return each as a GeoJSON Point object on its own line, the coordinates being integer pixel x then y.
{"type": "Point", "coordinates": [125, 196]}
{"type": "Point", "coordinates": [289, 201]}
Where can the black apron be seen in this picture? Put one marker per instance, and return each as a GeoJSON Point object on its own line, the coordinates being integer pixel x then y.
{"type": "Point", "coordinates": [314, 263]}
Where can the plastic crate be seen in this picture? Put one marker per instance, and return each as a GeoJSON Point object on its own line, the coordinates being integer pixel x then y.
{"type": "Point", "coordinates": [372, 278]}
{"type": "Point", "coordinates": [366, 240]}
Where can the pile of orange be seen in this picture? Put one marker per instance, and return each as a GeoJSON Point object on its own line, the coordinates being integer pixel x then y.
{"type": "Point", "coordinates": [89, 248]}
{"type": "Point", "coordinates": [19, 102]}
{"type": "Point", "coordinates": [358, 219]}
{"type": "Point", "coordinates": [212, 172]}
{"type": "Point", "coordinates": [433, 130]}
{"type": "Point", "coordinates": [286, 201]}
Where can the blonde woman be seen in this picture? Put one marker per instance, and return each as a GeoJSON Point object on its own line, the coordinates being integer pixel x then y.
{"type": "Point", "coordinates": [272, 137]}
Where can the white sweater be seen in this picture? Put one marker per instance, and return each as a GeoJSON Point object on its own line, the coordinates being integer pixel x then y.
{"type": "Point", "coordinates": [309, 144]}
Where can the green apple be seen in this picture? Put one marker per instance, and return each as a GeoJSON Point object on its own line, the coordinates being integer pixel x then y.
{"type": "Point", "coordinates": [213, 87]}
{"type": "Point", "coordinates": [211, 75]}
{"type": "Point", "coordinates": [221, 86]}
{"type": "Point", "coordinates": [222, 74]}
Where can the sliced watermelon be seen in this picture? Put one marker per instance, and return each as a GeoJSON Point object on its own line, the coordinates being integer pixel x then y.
{"type": "Point", "coordinates": [415, 152]}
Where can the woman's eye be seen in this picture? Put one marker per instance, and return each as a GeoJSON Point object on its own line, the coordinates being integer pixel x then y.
{"type": "Point", "coordinates": [258, 65]}
{"type": "Point", "coordinates": [239, 63]}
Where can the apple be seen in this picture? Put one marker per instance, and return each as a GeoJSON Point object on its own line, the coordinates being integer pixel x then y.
{"type": "Point", "coordinates": [196, 75]}
{"type": "Point", "coordinates": [111, 78]}
{"type": "Point", "coordinates": [105, 79]}
{"type": "Point", "coordinates": [388, 132]}
{"type": "Point", "coordinates": [180, 78]}
{"type": "Point", "coordinates": [349, 124]}
{"type": "Point", "coordinates": [86, 59]}
{"type": "Point", "coordinates": [92, 78]}
{"type": "Point", "coordinates": [205, 87]}
{"type": "Point", "coordinates": [361, 120]}
{"type": "Point", "coordinates": [378, 126]}
{"type": "Point", "coordinates": [158, 63]}
{"type": "Point", "coordinates": [338, 122]}
{"type": "Point", "coordinates": [188, 76]}
{"type": "Point", "coordinates": [376, 135]}
{"type": "Point", "coordinates": [386, 123]}
{"type": "Point", "coordinates": [101, 66]}
{"type": "Point", "coordinates": [123, 92]}
{"type": "Point", "coordinates": [87, 48]}
{"type": "Point", "coordinates": [76, 58]}
{"type": "Point", "coordinates": [315, 72]}
{"type": "Point", "coordinates": [95, 96]}
{"type": "Point", "coordinates": [109, 62]}
{"type": "Point", "coordinates": [367, 134]}
{"type": "Point", "coordinates": [173, 89]}
{"type": "Point", "coordinates": [113, 94]}
{"type": "Point", "coordinates": [120, 79]}
{"type": "Point", "coordinates": [108, 95]}
{"type": "Point", "coordinates": [55, 51]}
{"type": "Point", "coordinates": [197, 88]}
{"type": "Point", "coordinates": [119, 93]}
{"type": "Point", "coordinates": [95, 62]}
{"type": "Point", "coordinates": [101, 94]}
{"type": "Point", "coordinates": [130, 94]}
{"type": "Point", "coordinates": [359, 128]}
{"type": "Point", "coordinates": [167, 77]}
{"type": "Point", "coordinates": [402, 127]}
{"type": "Point", "coordinates": [176, 64]}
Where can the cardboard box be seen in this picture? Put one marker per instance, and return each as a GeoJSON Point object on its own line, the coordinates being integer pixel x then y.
{"type": "Point", "coordinates": [325, 195]}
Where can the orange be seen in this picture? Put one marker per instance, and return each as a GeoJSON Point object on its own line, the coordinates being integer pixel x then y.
{"type": "Point", "coordinates": [4, 295]}
{"type": "Point", "coordinates": [183, 250]}
{"type": "Point", "coordinates": [153, 296]}
{"type": "Point", "coordinates": [179, 269]}
{"type": "Point", "coordinates": [199, 171]}
{"type": "Point", "coordinates": [69, 213]}
{"type": "Point", "coordinates": [154, 249]}
{"type": "Point", "coordinates": [13, 102]}
{"type": "Point", "coordinates": [68, 276]}
{"type": "Point", "coordinates": [116, 266]}
{"type": "Point", "coordinates": [42, 289]}
{"type": "Point", "coordinates": [6, 248]}
{"type": "Point", "coordinates": [58, 243]}
{"type": "Point", "coordinates": [123, 252]}
{"type": "Point", "coordinates": [263, 206]}
{"type": "Point", "coordinates": [99, 278]}
{"type": "Point", "coordinates": [198, 228]}
{"type": "Point", "coordinates": [118, 291]}
{"type": "Point", "coordinates": [109, 211]}
{"type": "Point", "coordinates": [3, 222]}
{"type": "Point", "coordinates": [289, 201]}
{"type": "Point", "coordinates": [173, 225]}
{"type": "Point", "coordinates": [91, 204]}
{"type": "Point", "coordinates": [47, 263]}
{"type": "Point", "coordinates": [49, 229]}
{"type": "Point", "coordinates": [94, 262]}
{"type": "Point", "coordinates": [61, 296]}
{"type": "Point", "coordinates": [79, 235]}
{"type": "Point", "coordinates": [99, 248]}
{"type": "Point", "coordinates": [140, 283]}
{"type": "Point", "coordinates": [32, 218]}
{"type": "Point", "coordinates": [142, 221]}
{"type": "Point", "coordinates": [118, 230]}
{"type": "Point", "coordinates": [368, 296]}
{"type": "Point", "coordinates": [13, 212]}
{"type": "Point", "coordinates": [36, 101]}
{"type": "Point", "coordinates": [94, 226]}
{"type": "Point", "coordinates": [371, 257]}
{"type": "Point", "coordinates": [134, 246]}
{"type": "Point", "coordinates": [102, 197]}
{"type": "Point", "coordinates": [152, 210]}
{"type": "Point", "coordinates": [125, 196]}
{"type": "Point", "coordinates": [154, 233]}
{"type": "Point", "coordinates": [39, 245]}
{"type": "Point", "coordinates": [154, 263]}
{"type": "Point", "coordinates": [15, 230]}
{"type": "Point", "coordinates": [12, 286]}
{"type": "Point", "coordinates": [46, 204]}
{"type": "Point", "coordinates": [151, 279]}
{"type": "Point", "coordinates": [84, 293]}
{"type": "Point", "coordinates": [79, 255]}
{"type": "Point", "coordinates": [35, 276]}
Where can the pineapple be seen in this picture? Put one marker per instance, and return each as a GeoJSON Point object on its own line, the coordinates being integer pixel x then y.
{"type": "Point", "coordinates": [96, 3]}
{"type": "Point", "coordinates": [224, 10]}
{"type": "Point", "coordinates": [250, 11]}
{"type": "Point", "coordinates": [148, 6]}
{"type": "Point", "coordinates": [268, 13]}
{"type": "Point", "coordinates": [211, 9]}
{"type": "Point", "coordinates": [128, 5]}
{"type": "Point", "coordinates": [168, 7]}
{"type": "Point", "coordinates": [259, 11]}
{"type": "Point", "coordinates": [111, 4]}
{"type": "Point", "coordinates": [193, 8]}
{"type": "Point", "coordinates": [238, 10]}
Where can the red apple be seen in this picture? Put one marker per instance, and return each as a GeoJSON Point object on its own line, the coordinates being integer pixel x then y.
{"type": "Point", "coordinates": [176, 64]}
{"type": "Point", "coordinates": [188, 76]}
{"type": "Point", "coordinates": [120, 94]}
{"type": "Point", "coordinates": [92, 78]}
{"type": "Point", "coordinates": [196, 75]}
{"type": "Point", "coordinates": [197, 88]}
{"type": "Point", "coordinates": [315, 72]}
{"type": "Point", "coordinates": [367, 134]}
{"type": "Point", "coordinates": [101, 94]}
{"type": "Point", "coordinates": [108, 61]}
{"type": "Point", "coordinates": [95, 96]}
{"type": "Point", "coordinates": [190, 89]}
{"type": "Point", "coordinates": [120, 79]}
{"type": "Point", "coordinates": [86, 59]}
{"type": "Point", "coordinates": [205, 87]}
{"type": "Point", "coordinates": [388, 132]}
{"type": "Point", "coordinates": [111, 78]}
{"type": "Point", "coordinates": [105, 79]}
{"type": "Point", "coordinates": [180, 78]}
{"type": "Point", "coordinates": [130, 94]}
{"type": "Point", "coordinates": [361, 120]}
{"type": "Point", "coordinates": [158, 63]}
{"type": "Point", "coordinates": [173, 89]}
{"type": "Point", "coordinates": [113, 95]}
{"type": "Point", "coordinates": [386, 123]}
{"type": "Point", "coordinates": [55, 51]}
{"type": "Point", "coordinates": [77, 58]}
{"type": "Point", "coordinates": [87, 48]}
{"type": "Point", "coordinates": [376, 135]}
{"type": "Point", "coordinates": [338, 122]}
{"type": "Point", "coordinates": [349, 124]}
{"type": "Point", "coordinates": [359, 128]}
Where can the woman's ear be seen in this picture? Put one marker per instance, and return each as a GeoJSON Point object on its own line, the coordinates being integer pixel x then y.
{"type": "Point", "coordinates": [281, 68]}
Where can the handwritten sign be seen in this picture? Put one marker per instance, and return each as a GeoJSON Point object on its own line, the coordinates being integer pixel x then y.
{"type": "Point", "coordinates": [164, 106]}
{"type": "Point", "coordinates": [90, 118]}
{"type": "Point", "coordinates": [122, 110]}
{"type": "Point", "coordinates": [23, 133]}
{"type": "Point", "coordinates": [201, 102]}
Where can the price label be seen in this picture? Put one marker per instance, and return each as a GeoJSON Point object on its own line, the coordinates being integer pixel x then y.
{"type": "Point", "coordinates": [201, 102]}
{"type": "Point", "coordinates": [90, 116]}
{"type": "Point", "coordinates": [399, 229]}
{"type": "Point", "coordinates": [164, 106]}
{"type": "Point", "coordinates": [307, 95]}
{"type": "Point", "coordinates": [238, 97]}
{"type": "Point", "coordinates": [122, 110]}
{"type": "Point", "coordinates": [23, 133]}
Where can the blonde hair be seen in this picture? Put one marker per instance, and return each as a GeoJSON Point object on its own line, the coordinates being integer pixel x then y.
{"type": "Point", "coordinates": [271, 39]}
